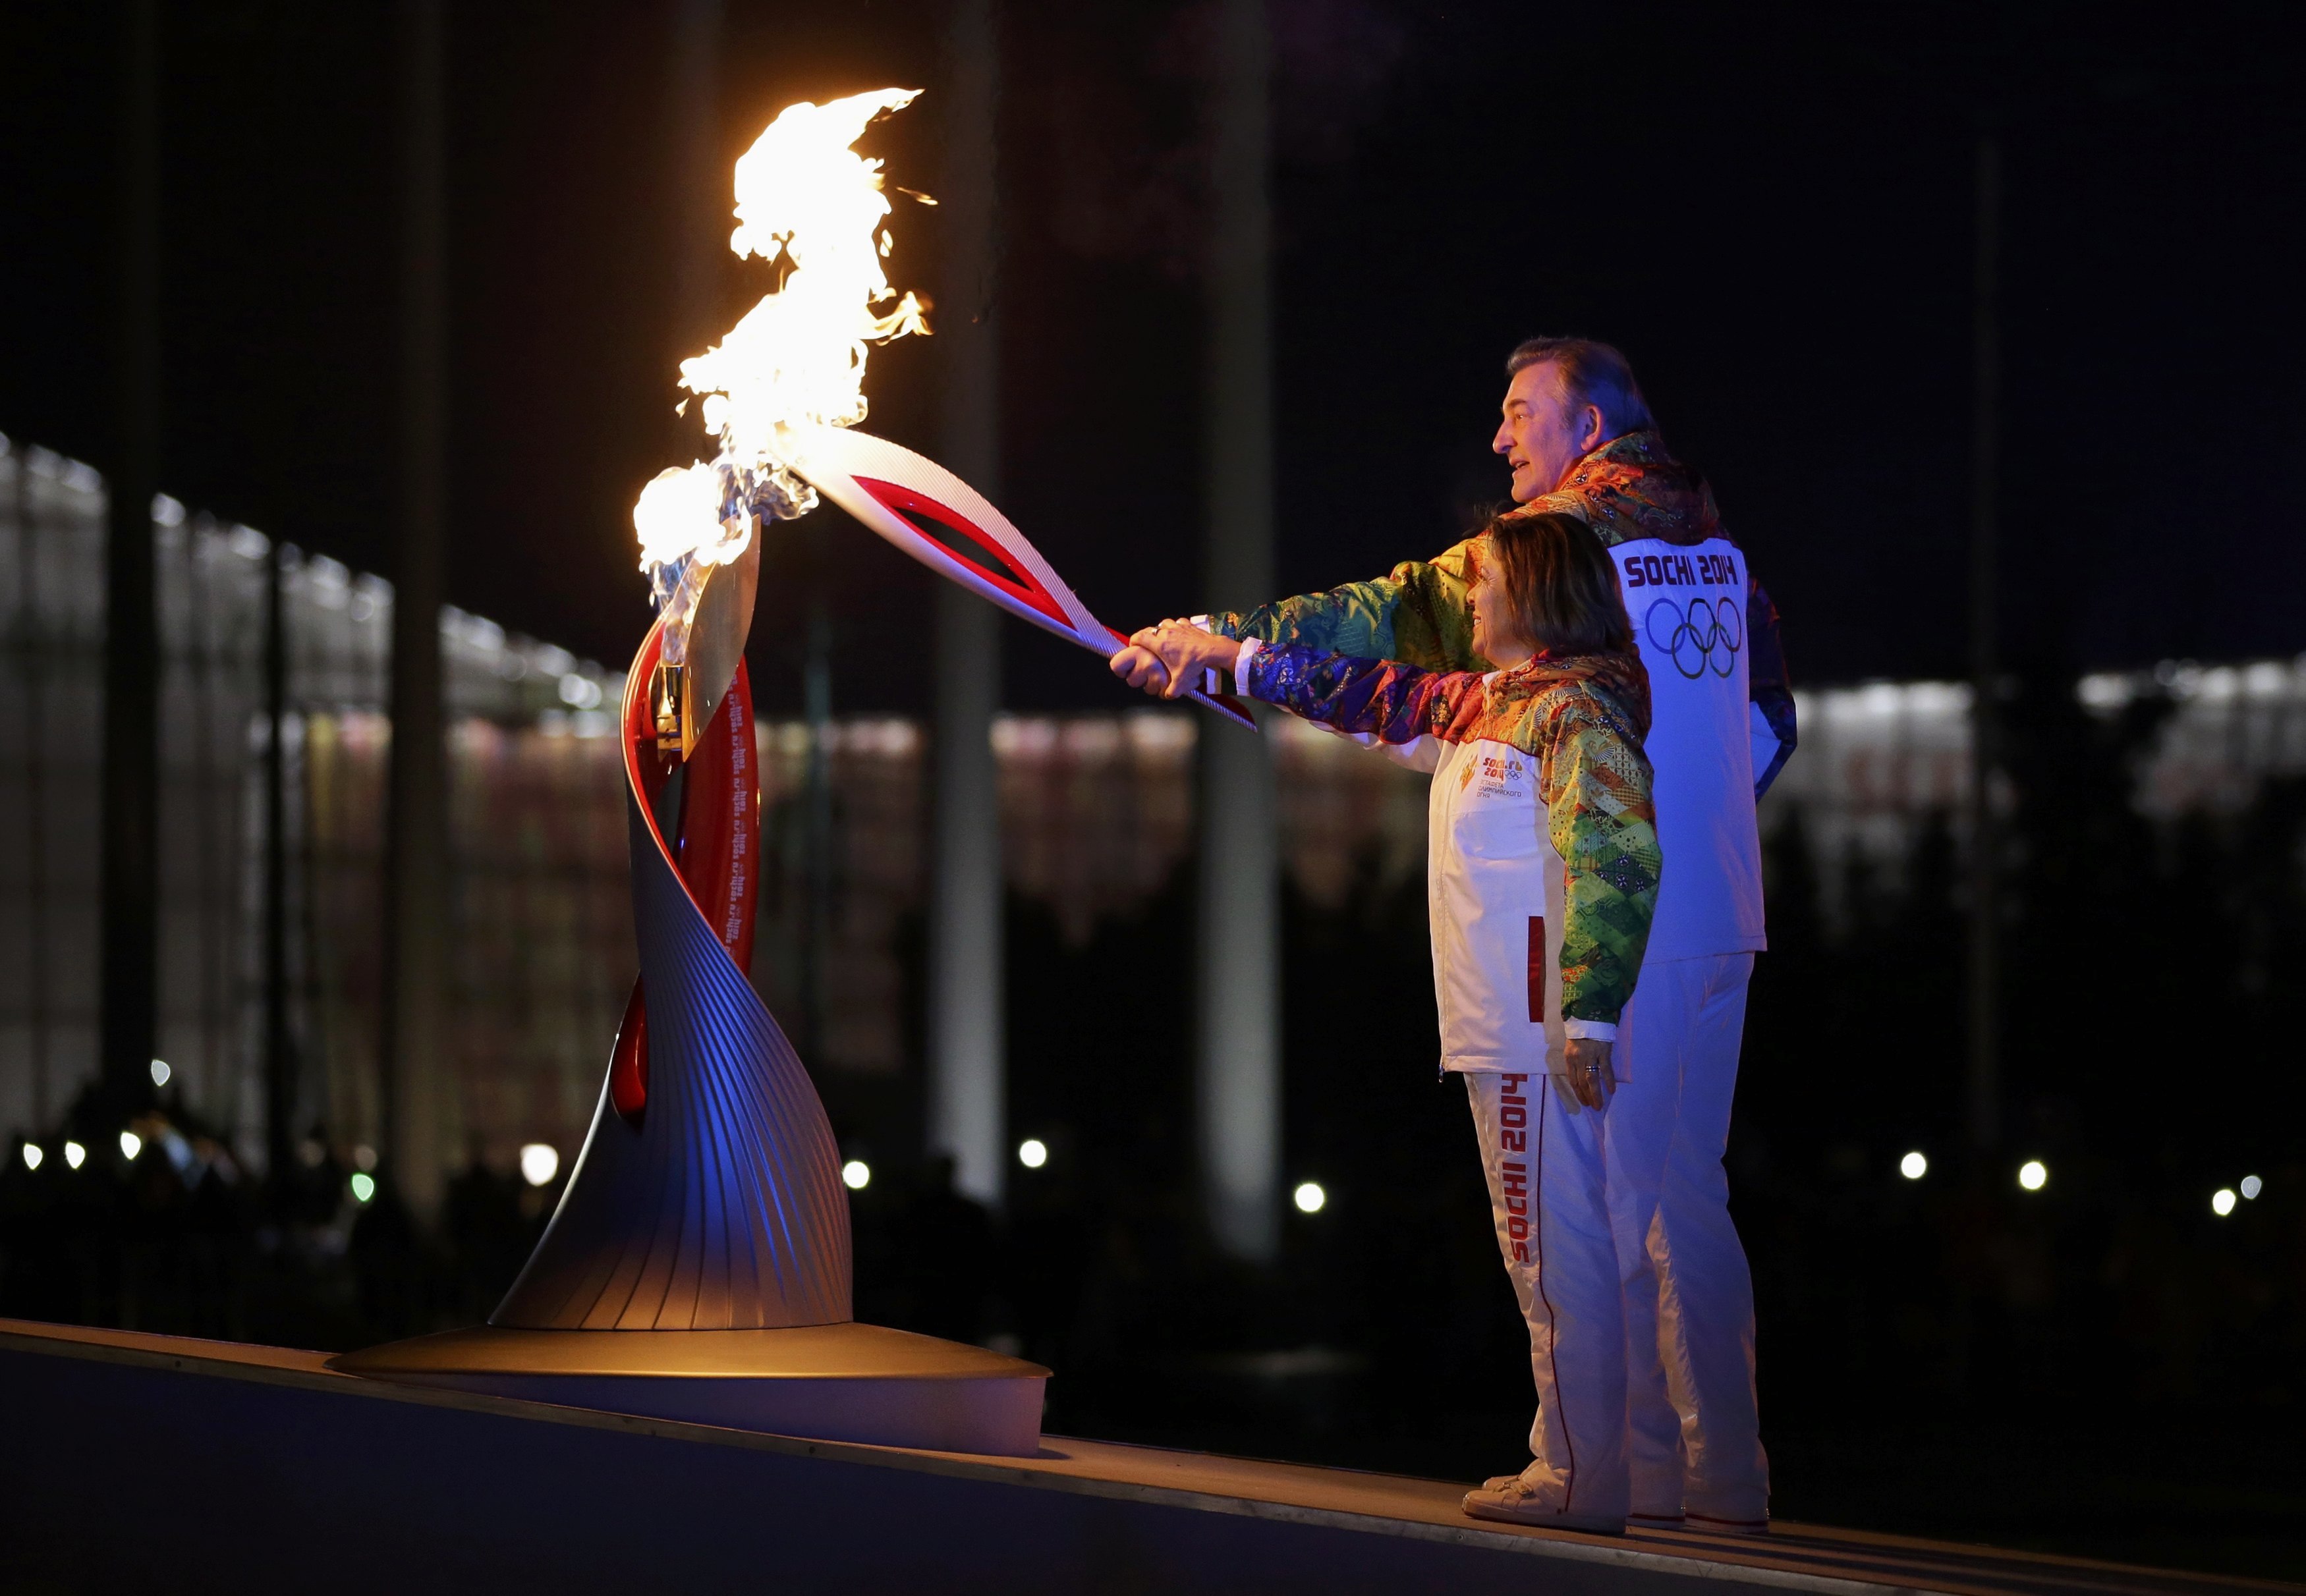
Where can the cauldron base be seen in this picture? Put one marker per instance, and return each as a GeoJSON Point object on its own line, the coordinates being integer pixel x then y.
{"type": "Point", "coordinates": [843, 1382]}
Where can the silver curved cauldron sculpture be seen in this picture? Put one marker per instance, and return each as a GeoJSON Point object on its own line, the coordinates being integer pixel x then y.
{"type": "Point", "coordinates": [698, 1265]}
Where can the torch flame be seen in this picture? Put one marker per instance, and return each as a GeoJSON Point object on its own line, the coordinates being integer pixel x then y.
{"type": "Point", "coordinates": [809, 204]}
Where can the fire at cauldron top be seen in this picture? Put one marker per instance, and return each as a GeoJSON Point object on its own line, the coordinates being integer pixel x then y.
{"type": "Point", "coordinates": [812, 206]}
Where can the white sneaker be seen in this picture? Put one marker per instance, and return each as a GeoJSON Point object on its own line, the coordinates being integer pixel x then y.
{"type": "Point", "coordinates": [1508, 1498]}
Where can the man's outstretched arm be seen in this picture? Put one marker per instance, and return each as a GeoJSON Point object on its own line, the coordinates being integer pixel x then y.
{"type": "Point", "coordinates": [1420, 615]}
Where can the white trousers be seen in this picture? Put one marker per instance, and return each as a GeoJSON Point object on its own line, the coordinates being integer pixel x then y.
{"type": "Point", "coordinates": [1693, 1424]}
{"type": "Point", "coordinates": [1544, 1165]}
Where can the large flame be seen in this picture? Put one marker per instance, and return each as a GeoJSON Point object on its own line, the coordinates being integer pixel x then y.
{"type": "Point", "coordinates": [807, 200]}
{"type": "Point", "coordinates": [809, 204]}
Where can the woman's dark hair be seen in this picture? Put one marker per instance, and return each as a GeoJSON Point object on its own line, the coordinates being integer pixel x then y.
{"type": "Point", "coordinates": [1560, 585]}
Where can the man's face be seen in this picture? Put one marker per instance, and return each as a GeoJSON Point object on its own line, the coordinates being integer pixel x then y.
{"type": "Point", "coordinates": [1542, 436]}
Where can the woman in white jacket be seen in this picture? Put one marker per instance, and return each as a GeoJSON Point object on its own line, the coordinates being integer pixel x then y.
{"type": "Point", "coordinates": [1542, 874]}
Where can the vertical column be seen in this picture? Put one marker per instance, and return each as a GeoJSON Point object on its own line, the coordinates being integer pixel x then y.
{"type": "Point", "coordinates": [130, 862]}
{"type": "Point", "coordinates": [279, 1054]}
{"type": "Point", "coordinates": [416, 896]}
{"type": "Point", "coordinates": [701, 202]}
{"type": "Point", "coordinates": [967, 1080]}
{"type": "Point", "coordinates": [32, 641]}
{"type": "Point", "coordinates": [1985, 741]}
{"type": "Point", "coordinates": [1239, 1042]}
{"type": "Point", "coordinates": [816, 796]}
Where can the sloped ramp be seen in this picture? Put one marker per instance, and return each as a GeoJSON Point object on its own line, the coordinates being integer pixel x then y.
{"type": "Point", "coordinates": [134, 1461]}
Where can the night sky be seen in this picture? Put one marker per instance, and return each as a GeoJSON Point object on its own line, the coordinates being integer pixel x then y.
{"type": "Point", "coordinates": [1771, 210]}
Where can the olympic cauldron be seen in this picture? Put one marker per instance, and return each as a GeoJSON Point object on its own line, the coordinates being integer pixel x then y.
{"type": "Point", "coordinates": [698, 1265]}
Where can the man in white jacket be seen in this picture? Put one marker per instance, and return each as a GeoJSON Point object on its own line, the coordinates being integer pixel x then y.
{"type": "Point", "coordinates": [1579, 438]}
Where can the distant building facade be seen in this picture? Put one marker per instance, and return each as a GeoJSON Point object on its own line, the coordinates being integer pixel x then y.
{"type": "Point", "coordinates": [542, 927]}
{"type": "Point", "coordinates": [1096, 819]}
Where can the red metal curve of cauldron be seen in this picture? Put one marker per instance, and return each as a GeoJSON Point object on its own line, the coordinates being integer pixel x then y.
{"type": "Point", "coordinates": [717, 853]}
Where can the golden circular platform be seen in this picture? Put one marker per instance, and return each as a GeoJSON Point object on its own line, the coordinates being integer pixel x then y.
{"type": "Point", "coordinates": [841, 1382]}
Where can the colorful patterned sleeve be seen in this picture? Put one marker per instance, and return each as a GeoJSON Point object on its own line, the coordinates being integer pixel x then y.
{"type": "Point", "coordinates": [1395, 702]}
{"type": "Point", "coordinates": [1595, 782]}
{"type": "Point", "coordinates": [1420, 616]}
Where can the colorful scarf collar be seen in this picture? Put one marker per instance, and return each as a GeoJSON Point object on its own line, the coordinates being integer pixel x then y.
{"type": "Point", "coordinates": [1630, 488]}
{"type": "Point", "coordinates": [1621, 677]}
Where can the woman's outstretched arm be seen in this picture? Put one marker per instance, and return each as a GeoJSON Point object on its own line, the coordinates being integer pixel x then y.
{"type": "Point", "coordinates": [1393, 702]}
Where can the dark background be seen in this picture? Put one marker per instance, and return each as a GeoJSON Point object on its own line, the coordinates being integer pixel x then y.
{"type": "Point", "coordinates": [1772, 210]}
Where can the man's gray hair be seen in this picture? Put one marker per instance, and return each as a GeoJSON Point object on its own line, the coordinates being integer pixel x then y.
{"type": "Point", "coordinates": [1592, 373]}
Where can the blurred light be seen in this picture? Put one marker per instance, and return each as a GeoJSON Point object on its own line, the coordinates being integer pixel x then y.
{"type": "Point", "coordinates": [1032, 1152]}
{"type": "Point", "coordinates": [160, 1071]}
{"type": "Point", "coordinates": [2222, 1201]}
{"type": "Point", "coordinates": [1309, 1197]}
{"type": "Point", "coordinates": [2033, 1174]}
{"type": "Point", "coordinates": [856, 1174]}
{"type": "Point", "coordinates": [539, 1162]}
{"type": "Point", "coordinates": [1913, 1166]}
{"type": "Point", "coordinates": [75, 1155]}
{"type": "Point", "coordinates": [131, 1144]}
{"type": "Point", "coordinates": [31, 1155]}
{"type": "Point", "coordinates": [2251, 1186]}
{"type": "Point", "coordinates": [578, 693]}
{"type": "Point", "coordinates": [363, 1187]}
{"type": "Point", "coordinates": [364, 1158]}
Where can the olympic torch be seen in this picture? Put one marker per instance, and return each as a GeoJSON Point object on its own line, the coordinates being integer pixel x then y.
{"type": "Point", "coordinates": [941, 520]}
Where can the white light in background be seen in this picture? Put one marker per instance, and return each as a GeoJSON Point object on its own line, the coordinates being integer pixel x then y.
{"type": "Point", "coordinates": [580, 693]}
{"type": "Point", "coordinates": [2033, 1174]}
{"type": "Point", "coordinates": [1032, 1152]}
{"type": "Point", "coordinates": [856, 1174]}
{"type": "Point", "coordinates": [1913, 1166]}
{"type": "Point", "coordinates": [364, 1158]}
{"type": "Point", "coordinates": [363, 1188]}
{"type": "Point", "coordinates": [2251, 1185]}
{"type": "Point", "coordinates": [1309, 1197]}
{"type": "Point", "coordinates": [131, 1144]}
{"type": "Point", "coordinates": [539, 1162]}
{"type": "Point", "coordinates": [75, 1155]}
{"type": "Point", "coordinates": [2222, 1201]}
{"type": "Point", "coordinates": [160, 1071]}
{"type": "Point", "coordinates": [32, 1154]}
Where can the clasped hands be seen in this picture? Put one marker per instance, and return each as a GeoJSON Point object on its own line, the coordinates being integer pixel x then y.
{"type": "Point", "coordinates": [1165, 660]}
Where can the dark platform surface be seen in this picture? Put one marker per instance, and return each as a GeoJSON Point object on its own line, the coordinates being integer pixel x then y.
{"type": "Point", "coordinates": [149, 1461]}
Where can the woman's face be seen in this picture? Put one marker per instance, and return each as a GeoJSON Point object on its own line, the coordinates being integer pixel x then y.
{"type": "Point", "coordinates": [1495, 638]}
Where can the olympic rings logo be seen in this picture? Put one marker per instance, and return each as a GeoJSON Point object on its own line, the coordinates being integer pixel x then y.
{"type": "Point", "coordinates": [1707, 636]}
